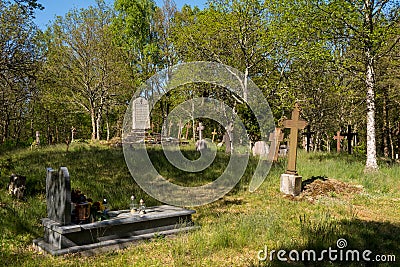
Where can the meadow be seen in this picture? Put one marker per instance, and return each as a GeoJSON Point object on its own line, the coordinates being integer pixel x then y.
{"type": "Point", "coordinates": [233, 229]}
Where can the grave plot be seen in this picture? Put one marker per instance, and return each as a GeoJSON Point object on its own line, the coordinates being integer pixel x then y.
{"type": "Point", "coordinates": [62, 235]}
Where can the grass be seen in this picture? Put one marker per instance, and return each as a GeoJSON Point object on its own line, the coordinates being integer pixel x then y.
{"type": "Point", "coordinates": [233, 229]}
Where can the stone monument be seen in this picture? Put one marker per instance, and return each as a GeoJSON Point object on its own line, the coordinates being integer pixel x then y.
{"type": "Point", "coordinates": [290, 180]}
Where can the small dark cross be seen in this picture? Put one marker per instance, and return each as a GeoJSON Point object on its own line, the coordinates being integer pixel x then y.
{"type": "Point", "coordinates": [308, 134]}
{"type": "Point", "coordinates": [349, 136]}
{"type": "Point", "coordinates": [338, 138]}
{"type": "Point", "coordinates": [213, 135]}
{"type": "Point", "coordinates": [276, 138]}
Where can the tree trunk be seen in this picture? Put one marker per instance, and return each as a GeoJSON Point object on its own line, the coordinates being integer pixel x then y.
{"type": "Point", "coordinates": [371, 164]}
{"type": "Point", "coordinates": [385, 128]}
{"type": "Point", "coordinates": [93, 117]}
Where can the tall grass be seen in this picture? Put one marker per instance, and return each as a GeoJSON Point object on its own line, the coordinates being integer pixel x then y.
{"type": "Point", "coordinates": [233, 229]}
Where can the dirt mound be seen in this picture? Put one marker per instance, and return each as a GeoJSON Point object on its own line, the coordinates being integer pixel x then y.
{"type": "Point", "coordinates": [314, 189]}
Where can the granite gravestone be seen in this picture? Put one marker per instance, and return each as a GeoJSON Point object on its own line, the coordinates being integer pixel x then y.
{"type": "Point", "coordinates": [140, 114]}
{"type": "Point", "coordinates": [58, 196]}
{"type": "Point", "coordinates": [261, 149]}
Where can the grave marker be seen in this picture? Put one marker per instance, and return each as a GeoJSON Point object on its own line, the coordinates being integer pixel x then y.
{"type": "Point", "coordinates": [37, 138]}
{"type": "Point", "coordinates": [308, 135]}
{"type": "Point", "coordinates": [338, 138]}
{"type": "Point", "coordinates": [73, 131]}
{"type": "Point", "coordinates": [213, 135]}
{"type": "Point", "coordinates": [58, 195]}
{"type": "Point", "coordinates": [140, 114]}
{"type": "Point", "coordinates": [200, 130]}
{"type": "Point", "coordinates": [228, 138]}
{"type": "Point", "coordinates": [260, 149]}
{"type": "Point", "coordinates": [291, 181]}
{"type": "Point", "coordinates": [276, 137]}
{"type": "Point", "coordinates": [349, 135]}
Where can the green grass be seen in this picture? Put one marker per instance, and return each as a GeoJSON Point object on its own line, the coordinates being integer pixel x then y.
{"type": "Point", "coordinates": [233, 229]}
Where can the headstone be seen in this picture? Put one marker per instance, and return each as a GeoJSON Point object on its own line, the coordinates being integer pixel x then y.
{"type": "Point", "coordinates": [200, 130]}
{"type": "Point", "coordinates": [308, 135]}
{"type": "Point", "coordinates": [275, 138]}
{"type": "Point", "coordinates": [261, 149]}
{"type": "Point", "coordinates": [16, 187]}
{"type": "Point", "coordinates": [290, 180]}
{"type": "Point", "coordinates": [338, 138]}
{"type": "Point", "coordinates": [37, 138]}
{"type": "Point", "coordinates": [140, 114]}
{"type": "Point", "coordinates": [201, 145]}
{"type": "Point", "coordinates": [349, 135]}
{"type": "Point", "coordinates": [73, 131]}
{"type": "Point", "coordinates": [58, 195]}
{"type": "Point", "coordinates": [214, 133]}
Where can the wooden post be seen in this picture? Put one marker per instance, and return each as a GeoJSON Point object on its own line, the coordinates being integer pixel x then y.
{"type": "Point", "coordinates": [338, 138]}
{"type": "Point", "coordinates": [276, 138]}
{"type": "Point", "coordinates": [294, 125]}
{"type": "Point", "coordinates": [308, 135]}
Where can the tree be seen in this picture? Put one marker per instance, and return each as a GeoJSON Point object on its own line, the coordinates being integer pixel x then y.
{"type": "Point", "coordinates": [87, 65]}
{"type": "Point", "coordinates": [19, 61]}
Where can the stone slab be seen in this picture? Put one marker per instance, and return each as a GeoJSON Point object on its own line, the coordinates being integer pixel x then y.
{"type": "Point", "coordinates": [290, 184]}
{"type": "Point", "coordinates": [104, 246]}
{"type": "Point", "coordinates": [59, 239]}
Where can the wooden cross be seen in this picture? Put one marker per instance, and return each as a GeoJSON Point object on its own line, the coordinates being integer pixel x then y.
{"type": "Point", "coordinates": [294, 125]}
{"type": "Point", "coordinates": [188, 126]}
{"type": "Point", "coordinates": [213, 135]}
{"type": "Point", "coordinates": [338, 138]}
{"type": "Point", "coordinates": [276, 138]}
{"type": "Point", "coordinates": [200, 129]}
{"type": "Point", "coordinates": [308, 135]}
{"type": "Point", "coordinates": [180, 127]}
{"type": "Point", "coordinates": [349, 136]}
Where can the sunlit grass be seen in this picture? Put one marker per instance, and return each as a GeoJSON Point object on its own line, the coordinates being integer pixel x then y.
{"type": "Point", "coordinates": [233, 229]}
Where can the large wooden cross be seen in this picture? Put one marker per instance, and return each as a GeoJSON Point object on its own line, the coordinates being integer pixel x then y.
{"type": "Point", "coordinates": [200, 129]}
{"type": "Point", "coordinates": [308, 135]}
{"type": "Point", "coordinates": [295, 124]}
{"type": "Point", "coordinates": [338, 138]}
{"type": "Point", "coordinates": [349, 136]}
{"type": "Point", "coordinates": [276, 138]}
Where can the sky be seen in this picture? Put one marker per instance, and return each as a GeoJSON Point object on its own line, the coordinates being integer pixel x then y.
{"type": "Point", "coordinates": [55, 8]}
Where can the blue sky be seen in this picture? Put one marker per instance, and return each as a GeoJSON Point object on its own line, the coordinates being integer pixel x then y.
{"type": "Point", "coordinates": [55, 8]}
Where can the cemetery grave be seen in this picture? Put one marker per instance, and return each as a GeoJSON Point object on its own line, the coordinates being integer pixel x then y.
{"type": "Point", "coordinates": [70, 227]}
